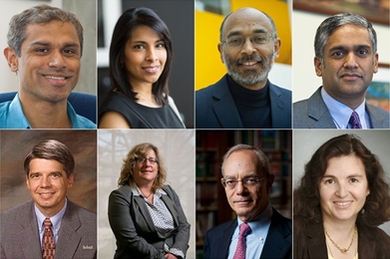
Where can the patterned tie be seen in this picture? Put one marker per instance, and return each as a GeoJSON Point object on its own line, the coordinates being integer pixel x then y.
{"type": "Point", "coordinates": [241, 245]}
{"type": "Point", "coordinates": [354, 121]}
{"type": "Point", "coordinates": [48, 245]}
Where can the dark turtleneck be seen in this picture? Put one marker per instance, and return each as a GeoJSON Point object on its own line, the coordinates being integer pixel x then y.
{"type": "Point", "coordinates": [253, 105]}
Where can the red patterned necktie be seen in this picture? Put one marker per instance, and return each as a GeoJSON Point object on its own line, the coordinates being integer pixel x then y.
{"type": "Point", "coordinates": [241, 245]}
{"type": "Point", "coordinates": [354, 121]}
{"type": "Point", "coordinates": [48, 245]}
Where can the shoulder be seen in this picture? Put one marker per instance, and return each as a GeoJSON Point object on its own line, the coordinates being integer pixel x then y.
{"type": "Point", "coordinates": [217, 230]}
{"type": "Point", "coordinates": [379, 111]}
{"type": "Point", "coordinates": [209, 90]}
{"type": "Point", "coordinates": [17, 209]}
{"type": "Point", "coordinates": [72, 206]}
{"type": "Point", "coordinates": [280, 89]}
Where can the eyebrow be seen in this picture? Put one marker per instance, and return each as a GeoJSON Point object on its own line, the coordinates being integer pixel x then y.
{"type": "Point", "coordinates": [48, 44]}
{"type": "Point", "coordinates": [343, 47]}
{"type": "Point", "coordinates": [237, 33]}
{"type": "Point", "coordinates": [349, 176]}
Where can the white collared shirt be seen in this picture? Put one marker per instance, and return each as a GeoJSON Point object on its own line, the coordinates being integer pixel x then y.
{"type": "Point", "coordinates": [341, 113]}
{"type": "Point", "coordinates": [55, 221]}
{"type": "Point", "coordinates": [256, 238]}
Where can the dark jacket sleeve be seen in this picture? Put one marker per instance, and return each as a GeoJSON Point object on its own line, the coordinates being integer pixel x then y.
{"type": "Point", "coordinates": [124, 229]}
{"type": "Point", "coordinates": [182, 236]}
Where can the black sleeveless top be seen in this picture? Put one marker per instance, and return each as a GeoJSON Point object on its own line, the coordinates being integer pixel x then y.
{"type": "Point", "coordinates": [140, 116]}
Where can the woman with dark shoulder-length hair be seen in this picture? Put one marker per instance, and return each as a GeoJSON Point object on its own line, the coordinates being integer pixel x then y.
{"type": "Point", "coordinates": [140, 62]}
{"type": "Point", "coordinates": [341, 200]}
{"type": "Point", "coordinates": [144, 214]}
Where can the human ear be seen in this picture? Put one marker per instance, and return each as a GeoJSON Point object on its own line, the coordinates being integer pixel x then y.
{"type": "Point", "coordinates": [12, 58]}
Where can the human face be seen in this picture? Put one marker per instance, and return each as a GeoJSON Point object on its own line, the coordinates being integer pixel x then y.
{"type": "Point", "coordinates": [250, 64]}
{"type": "Point", "coordinates": [48, 184]}
{"type": "Point", "coordinates": [145, 172]}
{"type": "Point", "coordinates": [145, 56]}
{"type": "Point", "coordinates": [246, 201]}
{"type": "Point", "coordinates": [348, 65]}
{"type": "Point", "coordinates": [49, 63]}
{"type": "Point", "coordinates": [343, 189]}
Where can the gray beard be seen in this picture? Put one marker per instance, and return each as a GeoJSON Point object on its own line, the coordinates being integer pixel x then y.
{"type": "Point", "coordinates": [249, 77]}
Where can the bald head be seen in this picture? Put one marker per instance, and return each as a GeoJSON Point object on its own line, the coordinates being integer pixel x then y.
{"type": "Point", "coordinates": [247, 15]}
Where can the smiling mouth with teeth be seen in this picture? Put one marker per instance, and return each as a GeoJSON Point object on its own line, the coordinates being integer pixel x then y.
{"type": "Point", "coordinates": [55, 77]}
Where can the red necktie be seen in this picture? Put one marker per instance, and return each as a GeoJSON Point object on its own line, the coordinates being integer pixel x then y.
{"type": "Point", "coordinates": [354, 121]}
{"type": "Point", "coordinates": [241, 245]}
{"type": "Point", "coordinates": [48, 245]}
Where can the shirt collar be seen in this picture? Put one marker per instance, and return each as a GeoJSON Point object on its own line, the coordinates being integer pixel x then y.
{"type": "Point", "coordinates": [341, 113]}
{"type": "Point", "coordinates": [137, 192]}
{"type": "Point", "coordinates": [55, 220]}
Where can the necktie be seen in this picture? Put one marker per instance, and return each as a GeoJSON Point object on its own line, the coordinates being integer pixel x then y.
{"type": "Point", "coordinates": [48, 246]}
{"type": "Point", "coordinates": [354, 121]}
{"type": "Point", "coordinates": [241, 245]}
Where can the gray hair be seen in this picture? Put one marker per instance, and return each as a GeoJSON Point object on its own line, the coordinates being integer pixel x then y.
{"type": "Point", "coordinates": [274, 32]}
{"type": "Point", "coordinates": [329, 25]}
{"type": "Point", "coordinates": [39, 14]}
{"type": "Point", "coordinates": [262, 159]}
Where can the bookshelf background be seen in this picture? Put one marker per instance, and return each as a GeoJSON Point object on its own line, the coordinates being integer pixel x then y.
{"type": "Point", "coordinates": [212, 207]}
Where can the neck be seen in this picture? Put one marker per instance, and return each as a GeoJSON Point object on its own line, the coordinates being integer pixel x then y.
{"type": "Point", "coordinates": [43, 114]}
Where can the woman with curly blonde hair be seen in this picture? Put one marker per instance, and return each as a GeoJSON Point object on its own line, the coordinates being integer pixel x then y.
{"type": "Point", "coordinates": [144, 213]}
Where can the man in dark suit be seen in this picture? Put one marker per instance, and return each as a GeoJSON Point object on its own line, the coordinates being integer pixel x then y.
{"type": "Point", "coordinates": [346, 58]}
{"type": "Point", "coordinates": [245, 98]}
{"type": "Point", "coordinates": [247, 181]}
{"type": "Point", "coordinates": [24, 234]}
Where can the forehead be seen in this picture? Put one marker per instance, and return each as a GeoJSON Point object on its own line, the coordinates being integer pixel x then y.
{"type": "Point", "coordinates": [54, 32]}
{"type": "Point", "coordinates": [247, 20]}
{"type": "Point", "coordinates": [143, 31]}
{"type": "Point", "coordinates": [43, 165]}
{"type": "Point", "coordinates": [349, 34]}
{"type": "Point", "coordinates": [242, 161]}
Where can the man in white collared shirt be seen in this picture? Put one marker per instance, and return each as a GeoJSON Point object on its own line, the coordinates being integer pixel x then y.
{"type": "Point", "coordinates": [247, 181]}
{"type": "Point", "coordinates": [346, 59]}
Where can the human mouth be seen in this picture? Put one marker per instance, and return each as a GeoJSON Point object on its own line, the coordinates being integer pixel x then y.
{"type": "Point", "coordinates": [152, 70]}
{"type": "Point", "coordinates": [350, 76]}
{"type": "Point", "coordinates": [46, 195]}
{"type": "Point", "coordinates": [342, 204]}
{"type": "Point", "coordinates": [56, 77]}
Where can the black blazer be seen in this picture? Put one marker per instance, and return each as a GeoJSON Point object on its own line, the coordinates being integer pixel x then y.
{"type": "Point", "coordinates": [277, 245]}
{"type": "Point", "coordinates": [309, 242]}
{"type": "Point", "coordinates": [215, 107]}
{"type": "Point", "coordinates": [136, 235]}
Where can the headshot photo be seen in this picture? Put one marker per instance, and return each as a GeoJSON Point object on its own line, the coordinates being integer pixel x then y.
{"type": "Point", "coordinates": [146, 194]}
{"type": "Point", "coordinates": [243, 64]}
{"type": "Point", "coordinates": [48, 194]}
{"type": "Point", "coordinates": [243, 194]}
{"type": "Point", "coordinates": [146, 64]}
{"type": "Point", "coordinates": [341, 194]}
{"type": "Point", "coordinates": [341, 80]}
{"type": "Point", "coordinates": [49, 65]}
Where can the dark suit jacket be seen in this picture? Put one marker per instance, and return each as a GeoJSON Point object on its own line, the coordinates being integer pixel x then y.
{"type": "Point", "coordinates": [277, 245]}
{"type": "Point", "coordinates": [215, 107]}
{"type": "Point", "coordinates": [20, 238]}
{"type": "Point", "coordinates": [309, 242]}
{"type": "Point", "coordinates": [136, 235]}
{"type": "Point", "coordinates": [313, 113]}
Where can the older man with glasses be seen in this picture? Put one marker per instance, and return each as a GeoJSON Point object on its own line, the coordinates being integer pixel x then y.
{"type": "Point", "coordinates": [259, 230]}
{"type": "Point", "coordinates": [244, 97]}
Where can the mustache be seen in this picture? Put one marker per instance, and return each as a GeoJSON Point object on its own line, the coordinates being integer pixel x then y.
{"type": "Point", "coordinates": [249, 58]}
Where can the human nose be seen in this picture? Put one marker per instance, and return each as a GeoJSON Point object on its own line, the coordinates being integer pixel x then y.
{"type": "Point", "coordinates": [248, 47]}
{"type": "Point", "coordinates": [341, 190]}
{"type": "Point", "coordinates": [45, 181]}
{"type": "Point", "coordinates": [240, 187]}
{"type": "Point", "coordinates": [350, 61]}
{"type": "Point", "coordinates": [57, 60]}
{"type": "Point", "coordinates": [152, 55]}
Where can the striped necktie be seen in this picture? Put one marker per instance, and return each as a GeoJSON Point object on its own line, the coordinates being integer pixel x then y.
{"type": "Point", "coordinates": [241, 245]}
{"type": "Point", "coordinates": [354, 121]}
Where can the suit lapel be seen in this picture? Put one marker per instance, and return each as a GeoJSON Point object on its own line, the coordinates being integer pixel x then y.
{"type": "Point", "coordinates": [278, 241]}
{"type": "Point", "coordinates": [225, 107]}
{"type": "Point", "coordinates": [224, 240]}
{"type": "Point", "coordinates": [318, 111]}
{"type": "Point", "coordinates": [168, 202]}
{"type": "Point", "coordinates": [144, 212]}
{"type": "Point", "coordinates": [278, 114]}
{"type": "Point", "coordinates": [68, 238]}
{"type": "Point", "coordinates": [377, 121]}
{"type": "Point", "coordinates": [29, 237]}
{"type": "Point", "coordinates": [316, 242]}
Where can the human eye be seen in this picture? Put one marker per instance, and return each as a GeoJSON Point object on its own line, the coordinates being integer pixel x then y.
{"type": "Point", "coordinates": [55, 175]}
{"type": "Point", "coordinates": [139, 47]}
{"type": "Point", "coordinates": [354, 180]}
{"type": "Point", "coordinates": [230, 182]}
{"type": "Point", "coordinates": [338, 54]}
{"type": "Point", "coordinates": [235, 41]}
{"type": "Point", "coordinates": [160, 45]}
{"type": "Point", "coordinates": [329, 181]}
{"type": "Point", "coordinates": [260, 38]}
{"type": "Point", "coordinates": [362, 52]}
{"type": "Point", "coordinates": [34, 176]}
{"type": "Point", "coordinates": [251, 180]}
{"type": "Point", "coordinates": [152, 160]}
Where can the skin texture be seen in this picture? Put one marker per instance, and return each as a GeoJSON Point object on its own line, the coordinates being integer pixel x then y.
{"type": "Point", "coordinates": [246, 201]}
{"type": "Point", "coordinates": [48, 184]}
{"type": "Point", "coordinates": [348, 65]}
{"type": "Point", "coordinates": [145, 173]}
{"type": "Point", "coordinates": [144, 59]}
{"type": "Point", "coordinates": [48, 70]}
{"type": "Point", "coordinates": [343, 189]}
{"type": "Point", "coordinates": [249, 66]}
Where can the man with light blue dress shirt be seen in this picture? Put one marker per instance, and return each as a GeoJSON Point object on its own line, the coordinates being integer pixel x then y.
{"type": "Point", "coordinates": [49, 170]}
{"type": "Point", "coordinates": [247, 181]}
{"type": "Point", "coordinates": [44, 50]}
{"type": "Point", "coordinates": [346, 58]}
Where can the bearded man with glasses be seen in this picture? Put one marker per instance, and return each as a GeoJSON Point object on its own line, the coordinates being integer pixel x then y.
{"type": "Point", "coordinates": [259, 230]}
{"type": "Point", "coordinates": [244, 97]}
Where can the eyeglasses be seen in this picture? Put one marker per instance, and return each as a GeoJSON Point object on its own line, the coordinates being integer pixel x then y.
{"type": "Point", "coordinates": [142, 160]}
{"type": "Point", "coordinates": [247, 181]}
{"type": "Point", "coordinates": [237, 41]}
